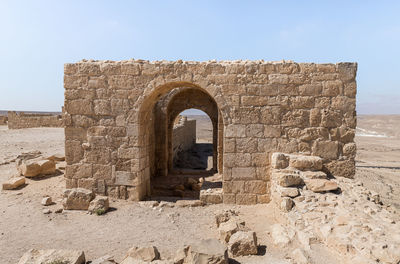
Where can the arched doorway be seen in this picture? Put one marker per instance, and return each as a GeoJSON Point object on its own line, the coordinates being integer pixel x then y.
{"type": "Point", "coordinates": [155, 131]}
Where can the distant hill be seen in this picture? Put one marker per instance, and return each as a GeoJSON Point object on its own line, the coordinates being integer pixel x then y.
{"type": "Point", "coordinates": [4, 112]}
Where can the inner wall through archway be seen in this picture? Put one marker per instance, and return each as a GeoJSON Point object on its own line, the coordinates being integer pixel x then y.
{"type": "Point", "coordinates": [192, 141]}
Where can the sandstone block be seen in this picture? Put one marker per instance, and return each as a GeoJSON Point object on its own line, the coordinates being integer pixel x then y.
{"type": "Point", "coordinates": [321, 185]}
{"type": "Point", "coordinates": [342, 168]}
{"type": "Point", "coordinates": [53, 256]}
{"type": "Point", "coordinates": [77, 199]}
{"type": "Point", "coordinates": [99, 203]}
{"type": "Point", "coordinates": [286, 204]}
{"type": "Point", "coordinates": [207, 251]}
{"type": "Point", "coordinates": [326, 149]}
{"type": "Point", "coordinates": [227, 229]}
{"type": "Point", "coordinates": [146, 254]}
{"type": "Point", "coordinates": [13, 183]}
{"type": "Point", "coordinates": [314, 175]}
{"type": "Point", "coordinates": [305, 162]}
{"type": "Point", "coordinates": [279, 161]}
{"type": "Point", "coordinates": [289, 180]}
{"type": "Point", "coordinates": [288, 192]}
{"type": "Point", "coordinates": [47, 167]}
{"type": "Point", "coordinates": [243, 243]}
{"type": "Point", "coordinates": [29, 168]}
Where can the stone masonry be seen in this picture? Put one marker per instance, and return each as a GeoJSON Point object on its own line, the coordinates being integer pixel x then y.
{"type": "Point", "coordinates": [23, 120]}
{"type": "Point", "coordinates": [184, 135]}
{"type": "Point", "coordinates": [118, 121]}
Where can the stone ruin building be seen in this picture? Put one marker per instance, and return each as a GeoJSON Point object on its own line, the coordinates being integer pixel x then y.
{"type": "Point", "coordinates": [119, 118]}
{"type": "Point", "coordinates": [29, 120]}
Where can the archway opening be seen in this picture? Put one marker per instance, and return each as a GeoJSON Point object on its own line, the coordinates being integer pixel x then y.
{"type": "Point", "coordinates": [192, 142]}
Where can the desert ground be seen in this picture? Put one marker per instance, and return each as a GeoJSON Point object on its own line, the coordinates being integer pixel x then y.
{"type": "Point", "coordinates": [23, 225]}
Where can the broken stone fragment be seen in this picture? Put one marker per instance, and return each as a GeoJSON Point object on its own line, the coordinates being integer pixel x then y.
{"type": "Point", "coordinates": [29, 168]}
{"type": "Point", "coordinates": [107, 259]}
{"type": "Point", "coordinates": [77, 199]}
{"type": "Point", "coordinates": [13, 183]}
{"type": "Point", "coordinates": [320, 185]}
{"type": "Point", "coordinates": [53, 256]}
{"type": "Point", "coordinates": [288, 192]}
{"type": "Point", "coordinates": [47, 167]}
{"type": "Point", "coordinates": [243, 243]}
{"type": "Point", "coordinates": [314, 175]}
{"type": "Point", "coordinates": [224, 217]}
{"type": "Point", "coordinates": [147, 254]}
{"type": "Point", "coordinates": [99, 203]}
{"type": "Point", "coordinates": [47, 201]}
{"type": "Point", "coordinates": [57, 157]}
{"type": "Point", "coordinates": [301, 162]}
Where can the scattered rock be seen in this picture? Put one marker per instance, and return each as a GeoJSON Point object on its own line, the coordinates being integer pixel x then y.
{"type": "Point", "coordinates": [57, 157]}
{"type": "Point", "coordinates": [207, 251]}
{"type": "Point", "coordinates": [35, 256]}
{"type": "Point", "coordinates": [13, 183]}
{"type": "Point", "coordinates": [320, 185]}
{"type": "Point", "coordinates": [99, 205]}
{"type": "Point", "coordinates": [58, 210]}
{"type": "Point", "coordinates": [281, 236]}
{"type": "Point", "coordinates": [289, 180]}
{"type": "Point", "coordinates": [47, 201]}
{"type": "Point", "coordinates": [46, 211]}
{"type": "Point", "coordinates": [107, 259]}
{"type": "Point", "coordinates": [77, 199]}
{"type": "Point", "coordinates": [224, 217]}
{"type": "Point", "coordinates": [243, 243]}
{"type": "Point", "coordinates": [227, 229]}
{"type": "Point", "coordinates": [47, 167]}
{"type": "Point", "coordinates": [302, 162]}
{"type": "Point", "coordinates": [143, 253]}
{"type": "Point", "coordinates": [29, 155]}
{"type": "Point", "coordinates": [286, 204]}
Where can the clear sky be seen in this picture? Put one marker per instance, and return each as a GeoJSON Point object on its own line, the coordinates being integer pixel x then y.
{"type": "Point", "coordinates": [38, 37]}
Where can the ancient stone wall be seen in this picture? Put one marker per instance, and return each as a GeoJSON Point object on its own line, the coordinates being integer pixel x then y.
{"type": "Point", "coordinates": [3, 120]}
{"type": "Point", "coordinates": [184, 135]}
{"type": "Point", "coordinates": [262, 107]}
{"type": "Point", "coordinates": [22, 120]}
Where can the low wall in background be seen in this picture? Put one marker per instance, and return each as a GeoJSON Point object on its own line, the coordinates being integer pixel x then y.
{"type": "Point", "coordinates": [22, 120]}
{"type": "Point", "coordinates": [3, 120]}
{"type": "Point", "coordinates": [183, 136]}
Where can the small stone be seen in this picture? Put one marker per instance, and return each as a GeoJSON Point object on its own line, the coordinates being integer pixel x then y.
{"type": "Point", "coordinates": [227, 229]}
{"type": "Point", "coordinates": [13, 183]}
{"type": "Point", "coordinates": [99, 205]}
{"type": "Point", "coordinates": [46, 211]}
{"type": "Point", "coordinates": [46, 201]}
{"type": "Point", "coordinates": [57, 157]}
{"type": "Point", "coordinates": [288, 192]}
{"type": "Point", "coordinates": [58, 210]}
{"type": "Point", "coordinates": [243, 243]}
{"type": "Point", "coordinates": [286, 204]}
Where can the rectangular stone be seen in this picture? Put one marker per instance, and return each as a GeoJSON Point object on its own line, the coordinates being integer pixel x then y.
{"type": "Point", "coordinates": [243, 173]}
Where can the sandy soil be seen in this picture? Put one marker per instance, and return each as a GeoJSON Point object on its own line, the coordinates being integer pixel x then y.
{"type": "Point", "coordinates": [24, 226]}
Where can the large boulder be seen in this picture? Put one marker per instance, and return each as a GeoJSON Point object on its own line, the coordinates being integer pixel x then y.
{"type": "Point", "coordinates": [13, 183]}
{"type": "Point", "coordinates": [77, 199]}
{"type": "Point", "coordinates": [243, 243]}
{"type": "Point", "coordinates": [301, 162]}
{"type": "Point", "coordinates": [35, 256]}
{"type": "Point", "coordinates": [321, 185]}
{"type": "Point", "coordinates": [146, 254]}
{"type": "Point", "coordinates": [209, 251]}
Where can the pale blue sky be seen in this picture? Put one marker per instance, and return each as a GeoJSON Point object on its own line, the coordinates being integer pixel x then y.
{"type": "Point", "coordinates": [38, 37]}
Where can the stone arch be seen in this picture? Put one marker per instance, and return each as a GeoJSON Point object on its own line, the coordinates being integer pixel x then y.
{"type": "Point", "coordinates": [141, 130]}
